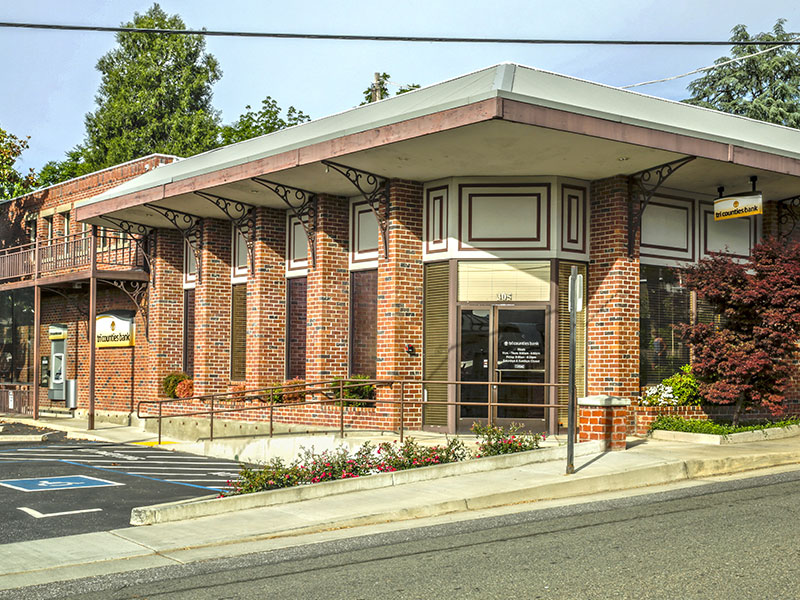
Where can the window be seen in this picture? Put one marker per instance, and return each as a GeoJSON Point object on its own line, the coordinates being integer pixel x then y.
{"type": "Point", "coordinates": [663, 304]}
{"type": "Point", "coordinates": [189, 265]}
{"type": "Point", "coordinates": [296, 328]}
{"type": "Point", "coordinates": [239, 255]}
{"type": "Point", "coordinates": [363, 322]}
{"type": "Point", "coordinates": [48, 223]}
{"type": "Point", "coordinates": [67, 224]}
{"type": "Point", "coordinates": [238, 332]}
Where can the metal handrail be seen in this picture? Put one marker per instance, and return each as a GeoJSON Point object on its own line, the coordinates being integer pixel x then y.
{"type": "Point", "coordinates": [333, 387]}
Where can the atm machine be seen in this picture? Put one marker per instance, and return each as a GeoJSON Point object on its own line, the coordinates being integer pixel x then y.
{"type": "Point", "coordinates": [56, 388]}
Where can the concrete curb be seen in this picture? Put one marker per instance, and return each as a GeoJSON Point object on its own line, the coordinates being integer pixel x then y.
{"type": "Point", "coordinates": [775, 433]}
{"type": "Point", "coordinates": [212, 505]}
{"type": "Point", "coordinates": [16, 439]}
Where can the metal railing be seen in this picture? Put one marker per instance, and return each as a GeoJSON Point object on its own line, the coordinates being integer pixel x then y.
{"type": "Point", "coordinates": [333, 393]}
{"type": "Point", "coordinates": [16, 398]}
{"type": "Point", "coordinates": [115, 251]}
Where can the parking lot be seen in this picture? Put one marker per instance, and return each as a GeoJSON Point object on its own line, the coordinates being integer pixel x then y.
{"type": "Point", "coordinates": [59, 487]}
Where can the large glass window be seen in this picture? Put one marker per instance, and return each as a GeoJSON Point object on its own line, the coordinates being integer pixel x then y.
{"type": "Point", "coordinates": [664, 303]}
{"type": "Point", "coordinates": [363, 322]}
{"type": "Point", "coordinates": [16, 336]}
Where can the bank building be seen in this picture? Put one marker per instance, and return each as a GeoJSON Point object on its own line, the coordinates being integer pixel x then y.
{"type": "Point", "coordinates": [423, 242]}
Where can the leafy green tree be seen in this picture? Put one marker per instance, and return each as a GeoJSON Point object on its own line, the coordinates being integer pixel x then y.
{"type": "Point", "coordinates": [381, 86]}
{"type": "Point", "coordinates": [12, 182]}
{"type": "Point", "coordinates": [764, 87]}
{"type": "Point", "coordinates": [255, 123]}
{"type": "Point", "coordinates": [155, 96]}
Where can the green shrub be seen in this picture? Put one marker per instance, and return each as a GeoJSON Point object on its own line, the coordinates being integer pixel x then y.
{"type": "Point", "coordinates": [680, 389]}
{"type": "Point", "coordinates": [171, 381]}
{"type": "Point", "coordinates": [311, 467]}
{"type": "Point", "coordinates": [355, 395]}
{"type": "Point", "coordinates": [493, 440]}
{"type": "Point", "coordinates": [671, 423]}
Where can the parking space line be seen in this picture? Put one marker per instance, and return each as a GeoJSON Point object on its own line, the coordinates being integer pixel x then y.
{"type": "Point", "coordinates": [134, 475]}
{"type": "Point", "coordinates": [37, 515]}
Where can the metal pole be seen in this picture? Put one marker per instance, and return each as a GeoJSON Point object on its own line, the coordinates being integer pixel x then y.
{"type": "Point", "coordinates": [341, 408]}
{"type": "Point", "coordinates": [159, 423]}
{"type": "Point", "coordinates": [402, 401]}
{"type": "Point", "coordinates": [573, 294]}
{"type": "Point", "coordinates": [93, 325]}
{"type": "Point", "coordinates": [271, 406]}
{"type": "Point", "coordinates": [211, 421]}
{"type": "Point", "coordinates": [37, 332]}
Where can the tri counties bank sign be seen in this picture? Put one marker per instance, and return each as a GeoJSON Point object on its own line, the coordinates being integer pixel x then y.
{"type": "Point", "coordinates": [115, 330]}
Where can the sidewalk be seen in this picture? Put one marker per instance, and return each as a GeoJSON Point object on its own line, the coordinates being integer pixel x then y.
{"type": "Point", "coordinates": [645, 463]}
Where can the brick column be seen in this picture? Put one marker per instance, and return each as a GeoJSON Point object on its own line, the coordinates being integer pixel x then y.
{"type": "Point", "coordinates": [328, 293]}
{"type": "Point", "coordinates": [166, 310]}
{"type": "Point", "coordinates": [400, 299]}
{"type": "Point", "coordinates": [613, 305]}
{"type": "Point", "coordinates": [604, 418]}
{"type": "Point", "coordinates": [212, 330]}
{"type": "Point", "coordinates": [266, 300]}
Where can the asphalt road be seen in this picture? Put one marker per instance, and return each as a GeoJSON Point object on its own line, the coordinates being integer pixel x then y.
{"type": "Point", "coordinates": [60, 487]}
{"type": "Point", "coordinates": [736, 539]}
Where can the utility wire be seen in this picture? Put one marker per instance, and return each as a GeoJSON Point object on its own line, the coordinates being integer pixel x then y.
{"type": "Point", "coordinates": [714, 66]}
{"type": "Point", "coordinates": [388, 38]}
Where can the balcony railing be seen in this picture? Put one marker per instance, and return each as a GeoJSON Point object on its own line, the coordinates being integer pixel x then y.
{"type": "Point", "coordinates": [70, 253]}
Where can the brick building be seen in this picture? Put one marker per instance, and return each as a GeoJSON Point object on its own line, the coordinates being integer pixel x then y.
{"type": "Point", "coordinates": [427, 236]}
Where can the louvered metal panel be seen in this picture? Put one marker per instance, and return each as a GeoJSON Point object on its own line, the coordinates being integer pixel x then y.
{"type": "Point", "coordinates": [564, 270]}
{"type": "Point", "coordinates": [435, 340]}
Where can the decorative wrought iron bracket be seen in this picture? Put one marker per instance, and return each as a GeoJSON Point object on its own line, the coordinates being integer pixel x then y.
{"type": "Point", "coordinates": [139, 293]}
{"type": "Point", "coordinates": [189, 226]}
{"type": "Point", "coordinates": [375, 190]}
{"type": "Point", "coordinates": [142, 235]}
{"type": "Point", "coordinates": [642, 186]}
{"type": "Point", "coordinates": [305, 211]}
{"type": "Point", "coordinates": [74, 299]}
{"type": "Point", "coordinates": [788, 212]}
{"type": "Point", "coordinates": [241, 216]}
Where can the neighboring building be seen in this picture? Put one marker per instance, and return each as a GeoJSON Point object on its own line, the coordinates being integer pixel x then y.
{"type": "Point", "coordinates": [427, 236]}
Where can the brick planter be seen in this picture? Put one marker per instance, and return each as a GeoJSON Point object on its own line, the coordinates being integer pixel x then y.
{"type": "Point", "coordinates": [604, 418]}
{"type": "Point", "coordinates": [641, 417]}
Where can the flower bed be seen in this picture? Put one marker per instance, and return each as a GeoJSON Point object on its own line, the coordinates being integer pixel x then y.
{"type": "Point", "coordinates": [370, 459]}
{"type": "Point", "coordinates": [672, 423]}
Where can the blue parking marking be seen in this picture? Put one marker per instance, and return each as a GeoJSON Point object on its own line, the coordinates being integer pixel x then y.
{"type": "Point", "coordinates": [61, 482]}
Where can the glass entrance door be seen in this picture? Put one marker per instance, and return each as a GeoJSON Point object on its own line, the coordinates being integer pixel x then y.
{"type": "Point", "coordinates": [505, 345]}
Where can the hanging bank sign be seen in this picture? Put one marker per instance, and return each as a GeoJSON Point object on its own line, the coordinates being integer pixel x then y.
{"type": "Point", "coordinates": [737, 205]}
{"type": "Point", "coordinates": [115, 330]}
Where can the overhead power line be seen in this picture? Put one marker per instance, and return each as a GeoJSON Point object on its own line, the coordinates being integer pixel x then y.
{"type": "Point", "coordinates": [390, 38]}
{"type": "Point", "coordinates": [714, 66]}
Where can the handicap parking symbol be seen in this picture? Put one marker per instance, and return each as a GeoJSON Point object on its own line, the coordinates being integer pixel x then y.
{"type": "Point", "coordinates": [62, 482]}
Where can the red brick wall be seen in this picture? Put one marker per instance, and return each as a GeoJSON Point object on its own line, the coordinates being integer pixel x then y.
{"type": "Point", "coordinates": [64, 195]}
{"type": "Point", "coordinates": [212, 331]}
{"type": "Point", "coordinates": [613, 304]}
{"type": "Point", "coordinates": [400, 285]}
{"type": "Point", "coordinates": [607, 423]}
{"type": "Point", "coordinates": [328, 293]}
{"type": "Point", "coordinates": [121, 376]}
{"type": "Point", "coordinates": [166, 310]}
{"type": "Point", "coordinates": [266, 300]}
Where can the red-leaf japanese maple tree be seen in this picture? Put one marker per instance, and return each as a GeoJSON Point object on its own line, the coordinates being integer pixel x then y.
{"type": "Point", "coordinates": [747, 360]}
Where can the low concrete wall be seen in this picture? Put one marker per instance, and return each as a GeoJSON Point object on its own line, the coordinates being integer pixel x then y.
{"type": "Point", "coordinates": [210, 505]}
{"type": "Point", "coordinates": [774, 433]}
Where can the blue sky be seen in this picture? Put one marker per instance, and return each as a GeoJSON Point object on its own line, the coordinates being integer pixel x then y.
{"type": "Point", "coordinates": [50, 78]}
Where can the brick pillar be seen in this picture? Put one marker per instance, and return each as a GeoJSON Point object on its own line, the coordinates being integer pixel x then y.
{"type": "Point", "coordinates": [266, 300]}
{"type": "Point", "coordinates": [613, 306]}
{"type": "Point", "coordinates": [328, 293]}
{"type": "Point", "coordinates": [400, 304]}
{"type": "Point", "coordinates": [212, 330]}
{"type": "Point", "coordinates": [604, 418]}
{"type": "Point", "coordinates": [166, 310]}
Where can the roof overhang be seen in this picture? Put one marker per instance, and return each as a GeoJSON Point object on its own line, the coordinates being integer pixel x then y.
{"type": "Point", "coordinates": [497, 127]}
